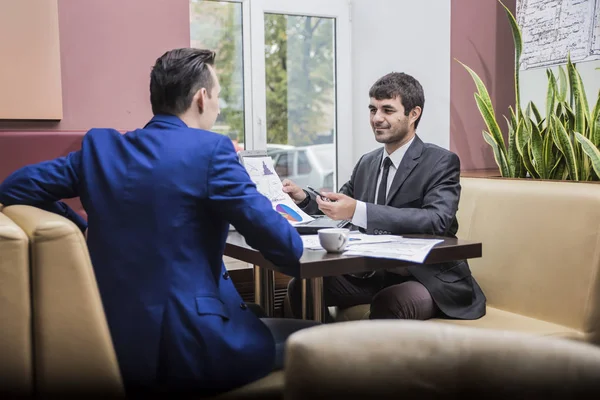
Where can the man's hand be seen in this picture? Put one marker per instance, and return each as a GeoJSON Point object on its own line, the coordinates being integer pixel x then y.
{"type": "Point", "coordinates": [339, 207]}
{"type": "Point", "coordinates": [294, 191]}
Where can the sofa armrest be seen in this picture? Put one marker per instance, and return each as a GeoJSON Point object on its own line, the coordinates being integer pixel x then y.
{"type": "Point", "coordinates": [391, 359]}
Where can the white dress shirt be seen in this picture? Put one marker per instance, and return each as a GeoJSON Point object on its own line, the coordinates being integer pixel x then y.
{"type": "Point", "coordinates": [360, 212]}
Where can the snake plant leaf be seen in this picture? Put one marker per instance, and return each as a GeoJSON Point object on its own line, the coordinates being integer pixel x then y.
{"type": "Point", "coordinates": [518, 41]}
{"type": "Point", "coordinates": [562, 84]}
{"type": "Point", "coordinates": [549, 159]}
{"type": "Point", "coordinates": [595, 123]}
{"type": "Point", "coordinates": [536, 113]}
{"type": "Point", "coordinates": [591, 150]}
{"type": "Point", "coordinates": [515, 161]}
{"type": "Point", "coordinates": [529, 163]}
{"type": "Point", "coordinates": [487, 112]}
{"type": "Point", "coordinates": [537, 152]}
{"type": "Point", "coordinates": [552, 93]}
{"type": "Point", "coordinates": [559, 168]}
{"type": "Point", "coordinates": [498, 155]}
{"type": "Point", "coordinates": [522, 137]}
{"type": "Point", "coordinates": [563, 142]}
{"type": "Point", "coordinates": [579, 99]}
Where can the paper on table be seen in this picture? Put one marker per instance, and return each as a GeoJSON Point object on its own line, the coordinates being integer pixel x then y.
{"type": "Point", "coordinates": [267, 182]}
{"type": "Point", "coordinates": [311, 242]}
{"type": "Point", "coordinates": [406, 249]}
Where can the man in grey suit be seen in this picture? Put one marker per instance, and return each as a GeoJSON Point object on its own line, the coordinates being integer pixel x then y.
{"type": "Point", "coordinates": [406, 187]}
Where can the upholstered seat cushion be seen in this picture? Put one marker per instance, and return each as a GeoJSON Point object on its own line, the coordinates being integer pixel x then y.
{"type": "Point", "coordinates": [425, 360]}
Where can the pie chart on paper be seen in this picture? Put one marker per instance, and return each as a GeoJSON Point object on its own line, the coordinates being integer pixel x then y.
{"type": "Point", "coordinates": [288, 213]}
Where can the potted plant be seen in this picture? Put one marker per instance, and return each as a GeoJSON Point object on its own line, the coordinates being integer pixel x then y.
{"type": "Point", "coordinates": [563, 144]}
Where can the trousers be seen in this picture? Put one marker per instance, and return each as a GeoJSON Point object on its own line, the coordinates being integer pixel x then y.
{"type": "Point", "coordinates": [390, 295]}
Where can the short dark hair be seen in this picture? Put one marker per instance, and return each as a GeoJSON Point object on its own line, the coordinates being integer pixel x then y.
{"type": "Point", "coordinates": [403, 85]}
{"type": "Point", "coordinates": [176, 76]}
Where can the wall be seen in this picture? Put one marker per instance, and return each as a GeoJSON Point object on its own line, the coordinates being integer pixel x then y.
{"type": "Point", "coordinates": [403, 36]}
{"type": "Point", "coordinates": [107, 49]}
{"type": "Point", "coordinates": [534, 84]}
{"type": "Point", "coordinates": [481, 39]}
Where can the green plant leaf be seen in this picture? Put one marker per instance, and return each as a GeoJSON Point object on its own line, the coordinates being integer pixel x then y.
{"type": "Point", "coordinates": [518, 41]}
{"type": "Point", "coordinates": [528, 163]}
{"type": "Point", "coordinates": [590, 150]}
{"type": "Point", "coordinates": [549, 160]}
{"type": "Point", "coordinates": [551, 93]}
{"type": "Point", "coordinates": [559, 168]}
{"type": "Point", "coordinates": [536, 113]}
{"type": "Point", "coordinates": [561, 138]}
{"type": "Point", "coordinates": [498, 155]}
{"type": "Point", "coordinates": [522, 137]}
{"type": "Point", "coordinates": [537, 152]}
{"type": "Point", "coordinates": [581, 107]}
{"type": "Point", "coordinates": [562, 84]}
{"type": "Point", "coordinates": [515, 161]}
{"type": "Point", "coordinates": [490, 120]}
{"type": "Point", "coordinates": [595, 123]}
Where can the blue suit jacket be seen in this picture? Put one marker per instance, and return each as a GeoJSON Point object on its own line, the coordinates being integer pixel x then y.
{"type": "Point", "coordinates": [159, 202]}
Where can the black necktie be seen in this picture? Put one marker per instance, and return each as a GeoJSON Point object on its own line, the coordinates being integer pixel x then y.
{"type": "Point", "coordinates": [381, 194]}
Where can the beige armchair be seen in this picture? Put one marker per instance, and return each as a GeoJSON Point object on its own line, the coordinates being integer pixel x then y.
{"type": "Point", "coordinates": [432, 360]}
{"type": "Point", "coordinates": [73, 349]}
{"type": "Point", "coordinates": [16, 364]}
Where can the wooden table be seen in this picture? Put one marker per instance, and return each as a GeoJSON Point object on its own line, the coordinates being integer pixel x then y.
{"type": "Point", "coordinates": [316, 264]}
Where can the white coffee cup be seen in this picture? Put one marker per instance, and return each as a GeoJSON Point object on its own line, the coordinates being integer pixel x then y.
{"type": "Point", "coordinates": [334, 240]}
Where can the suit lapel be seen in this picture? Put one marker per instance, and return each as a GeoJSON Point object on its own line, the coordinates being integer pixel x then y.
{"type": "Point", "coordinates": [408, 163]}
{"type": "Point", "coordinates": [373, 168]}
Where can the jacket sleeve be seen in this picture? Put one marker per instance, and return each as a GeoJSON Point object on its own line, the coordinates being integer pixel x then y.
{"type": "Point", "coordinates": [440, 203]}
{"type": "Point", "coordinates": [42, 185]}
{"type": "Point", "coordinates": [348, 189]}
{"type": "Point", "coordinates": [234, 196]}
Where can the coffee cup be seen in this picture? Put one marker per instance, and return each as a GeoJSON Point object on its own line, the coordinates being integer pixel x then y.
{"type": "Point", "coordinates": [334, 240]}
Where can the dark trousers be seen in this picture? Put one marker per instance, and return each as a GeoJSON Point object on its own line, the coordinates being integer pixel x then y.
{"type": "Point", "coordinates": [281, 329]}
{"type": "Point", "coordinates": [391, 296]}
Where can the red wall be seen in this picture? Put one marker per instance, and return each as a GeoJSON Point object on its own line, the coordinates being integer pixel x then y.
{"type": "Point", "coordinates": [480, 38]}
{"type": "Point", "coordinates": [107, 50]}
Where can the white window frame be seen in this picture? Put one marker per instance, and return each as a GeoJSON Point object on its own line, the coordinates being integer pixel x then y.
{"type": "Point", "coordinates": [340, 11]}
{"type": "Point", "coordinates": [253, 39]}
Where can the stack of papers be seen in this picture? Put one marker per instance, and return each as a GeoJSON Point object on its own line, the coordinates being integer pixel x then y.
{"type": "Point", "coordinates": [311, 242]}
{"type": "Point", "coordinates": [380, 246]}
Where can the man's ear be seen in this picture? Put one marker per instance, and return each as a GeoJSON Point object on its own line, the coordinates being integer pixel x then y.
{"type": "Point", "coordinates": [414, 114]}
{"type": "Point", "coordinates": [198, 99]}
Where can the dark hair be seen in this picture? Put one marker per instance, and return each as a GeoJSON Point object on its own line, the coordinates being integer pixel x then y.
{"type": "Point", "coordinates": [399, 84]}
{"type": "Point", "coordinates": [176, 76]}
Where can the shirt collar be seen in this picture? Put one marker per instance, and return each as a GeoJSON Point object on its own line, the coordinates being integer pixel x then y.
{"type": "Point", "coordinates": [167, 119]}
{"type": "Point", "coordinates": [397, 156]}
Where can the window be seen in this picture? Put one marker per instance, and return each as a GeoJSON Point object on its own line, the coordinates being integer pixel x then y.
{"type": "Point", "coordinates": [304, 167]}
{"type": "Point", "coordinates": [284, 164]}
{"type": "Point", "coordinates": [217, 25]}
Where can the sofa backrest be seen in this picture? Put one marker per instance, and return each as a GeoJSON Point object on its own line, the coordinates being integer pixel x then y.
{"type": "Point", "coordinates": [73, 348]}
{"type": "Point", "coordinates": [541, 248]}
{"type": "Point", "coordinates": [16, 370]}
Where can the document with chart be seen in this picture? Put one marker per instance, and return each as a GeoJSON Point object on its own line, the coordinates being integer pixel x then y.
{"type": "Point", "coordinates": [263, 174]}
{"type": "Point", "coordinates": [405, 249]}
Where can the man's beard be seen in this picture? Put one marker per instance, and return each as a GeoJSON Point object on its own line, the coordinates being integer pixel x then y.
{"type": "Point", "coordinates": [391, 136]}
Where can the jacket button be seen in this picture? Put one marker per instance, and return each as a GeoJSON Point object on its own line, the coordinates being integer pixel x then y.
{"type": "Point", "coordinates": [225, 275]}
{"type": "Point", "coordinates": [243, 306]}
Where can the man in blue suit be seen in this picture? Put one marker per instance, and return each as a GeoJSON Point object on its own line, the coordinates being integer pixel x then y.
{"type": "Point", "coordinates": [159, 202]}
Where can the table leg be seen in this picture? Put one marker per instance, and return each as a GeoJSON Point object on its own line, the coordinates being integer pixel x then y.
{"type": "Point", "coordinates": [264, 289]}
{"type": "Point", "coordinates": [316, 295]}
{"type": "Point", "coordinates": [304, 299]}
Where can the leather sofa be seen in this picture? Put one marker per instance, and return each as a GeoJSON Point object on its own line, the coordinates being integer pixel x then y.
{"type": "Point", "coordinates": [417, 360]}
{"type": "Point", "coordinates": [16, 366]}
{"type": "Point", "coordinates": [540, 269]}
{"type": "Point", "coordinates": [69, 349]}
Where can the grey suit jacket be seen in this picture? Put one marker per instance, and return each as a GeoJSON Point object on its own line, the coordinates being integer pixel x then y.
{"type": "Point", "coordinates": [423, 198]}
